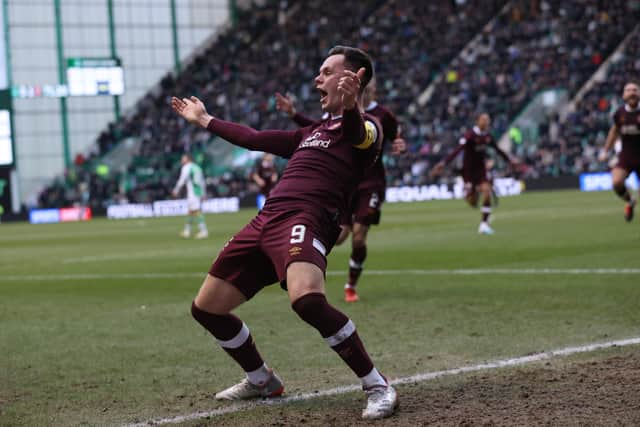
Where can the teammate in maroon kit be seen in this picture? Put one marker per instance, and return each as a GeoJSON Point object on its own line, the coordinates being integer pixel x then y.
{"type": "Point", "coordinates": [289, 239]}
{"type": "Point", "coordinates": [265, 175]}
{"type": "Point", "coordinates": [366, 201]}
{"type": "Point", "coordinates": [474, 143]}
{"type": "Point", "coordinates": [626, 126]}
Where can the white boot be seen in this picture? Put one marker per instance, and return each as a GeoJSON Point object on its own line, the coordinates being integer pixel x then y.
{"type": "Point", "coordinates": [484, 228]}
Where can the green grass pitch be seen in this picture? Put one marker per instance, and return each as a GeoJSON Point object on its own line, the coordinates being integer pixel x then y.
{"type": "Point", "coordinates": [95, 326]}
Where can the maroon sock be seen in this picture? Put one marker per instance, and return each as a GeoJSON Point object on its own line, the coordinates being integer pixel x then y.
{"type": "Point", "coordinates": [623, 193]}
{"type": "Point", "coordinates": [486, 210]}
{"type": "Point", "coordinates": [356, 264]}
{"type": "Point", "coordinates": [232, 335]}
{"type": "Point", "coordinates": [337, 330]}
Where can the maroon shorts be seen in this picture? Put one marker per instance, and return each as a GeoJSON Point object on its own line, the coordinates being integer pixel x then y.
{"type": "Point", "coordinates": [475, 176]}
{"type": "Point", "coordinates": [260, 253]}
{"type": "Point", "coordinates": [629, 162]}
{"type": "Point", "coordinates": [365, 207]}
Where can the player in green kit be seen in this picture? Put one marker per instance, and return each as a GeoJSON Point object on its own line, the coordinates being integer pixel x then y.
{"type": "Point", "coordinates": [192, 177]}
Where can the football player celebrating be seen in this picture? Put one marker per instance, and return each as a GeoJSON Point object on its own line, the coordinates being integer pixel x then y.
{"type": "Point", "coordinates": [475, 143]}
{"type": "Point", "coordinates": [365, 206]}
{"type": "Point", "coordinates": [626, 126]}
{"type": "Point", "coordinates": [288, 241]}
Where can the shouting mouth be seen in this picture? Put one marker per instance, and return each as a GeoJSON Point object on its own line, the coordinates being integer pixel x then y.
{"type": "Point", "coordinates": [323, 96]}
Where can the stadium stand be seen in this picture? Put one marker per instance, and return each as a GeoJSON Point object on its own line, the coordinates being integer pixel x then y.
{"type": "Point", "coordinates": [530, 47]}
{"type": "Point", "coordinates": [526, 47]}
{"type": "Point", "coordinates": [274, 42]}
{"type": "Point", "coordinates": [571, 146]}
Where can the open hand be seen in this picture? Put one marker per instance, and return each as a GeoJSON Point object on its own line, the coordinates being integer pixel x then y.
{"type": "Point", "coordinates": [284, 103]}
{"type": "Point", "coordinates": [437, 170]}
{"type": "Point", "coordinates": [192, 110]}
{"type": "Point", "coordinates": [602, 156]}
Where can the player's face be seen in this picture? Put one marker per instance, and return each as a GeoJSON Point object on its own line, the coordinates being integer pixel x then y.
{"type": "Point", "coordinates": [267, 160]}
{"type": "Point", "coordinates": [327, 84]}
{"type": "Point", "coordinates": [484, 122]}
{"type": "Point", "coordinates": [631, 94]}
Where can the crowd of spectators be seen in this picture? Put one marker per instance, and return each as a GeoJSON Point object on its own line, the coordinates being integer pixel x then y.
{"type": "Point", "coordinates": [531, 47]}
{"type": "Point", "coordinates": [570, 145]}
{"type": "Point", "coordinates": [150, 174]}
{"type": "Point", "coordinates": [278, 46]}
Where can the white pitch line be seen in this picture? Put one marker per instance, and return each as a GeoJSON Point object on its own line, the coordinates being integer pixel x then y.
{"type": "Point", "coordinates": [496, 364]}
{"type": "Point", "coordinates": [101, 276]}
{"type": "Point", "coordinates": [506, 271]}
{"type": "Point", "coordinates": [121, 257]}
{"type": "Point", "coordinates": [439, 272]}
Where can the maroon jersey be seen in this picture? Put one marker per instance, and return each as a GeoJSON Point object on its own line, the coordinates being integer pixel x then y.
{"type": "Point", "coordinates": [627, 120]}
{"type": "Point", "coordinates": [475, 144]}
{"type": "Point", "coordinates": [374, 177]}
{"type": "Point", "coordinates": [327, 159]}
{"type": "Point", "coordinates": [266, 170]}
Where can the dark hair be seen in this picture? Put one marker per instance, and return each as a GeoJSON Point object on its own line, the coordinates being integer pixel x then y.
{"type": "Point", "coordinates": [632, 82]}
{"type": "Point", "coordinates": [355, 59]}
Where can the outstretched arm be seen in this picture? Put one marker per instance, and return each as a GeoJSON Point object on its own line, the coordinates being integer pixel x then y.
{"type": "Point", "coordinates": [502, 153]}
{"type": "Point", "coordinates": [612, 136]}
{"type": "Point", "coordinates": [399, 145]}
{"type": "Point", "coordinates": [392, 132]}
{"type": "Point", "coordinates": [278, 142]}
{"type": "Point", "coordinates": [453, 154]}
{"type": "Point", "coordinates": [438, 168]}
{"type": "Point", "coordinates": [513, 162]}
{"type": "Point", "coordinates": [257, 179]}
{"type": "Point", "coordinates": [285, 104]}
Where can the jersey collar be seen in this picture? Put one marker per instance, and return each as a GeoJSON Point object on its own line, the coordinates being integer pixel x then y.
{"type": "Point", "coordinates": [629, 109]}
{"type": "Point", "coordinates": [477, 131]}
{"type": "Point", "coordinates": [371, 106]}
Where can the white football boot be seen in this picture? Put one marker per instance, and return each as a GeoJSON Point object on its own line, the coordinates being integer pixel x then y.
{"type": "Point", "coordinates": [245, 390]}
{"type": "Point", "coordinates": [381, 403]}
{"type": "Point", "coordinates": [484, 228]}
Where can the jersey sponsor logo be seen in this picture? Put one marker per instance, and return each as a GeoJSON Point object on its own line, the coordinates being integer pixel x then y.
{"type": "Point", "coordinates": [295, 250]}
{"type": "Point", "coordinates": [371, 134]}
{"type": "Point", "coordinates": [315, 141]}
{"type": "Point", "coordinates": [630, 130]}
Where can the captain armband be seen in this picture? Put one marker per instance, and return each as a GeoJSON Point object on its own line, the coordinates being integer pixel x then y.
{"type": "Point", "coordinates": [370, 136]}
